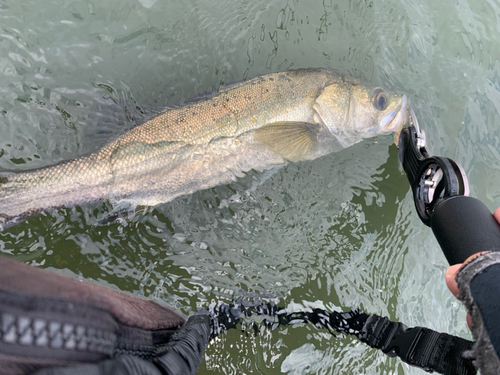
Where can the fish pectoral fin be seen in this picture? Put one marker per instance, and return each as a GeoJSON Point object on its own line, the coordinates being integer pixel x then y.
{"type": "Point", "coordinates": [295, 141]}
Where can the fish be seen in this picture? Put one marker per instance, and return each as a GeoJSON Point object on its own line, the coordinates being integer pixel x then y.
{"type": "Point", "coordinates": [261, 123]}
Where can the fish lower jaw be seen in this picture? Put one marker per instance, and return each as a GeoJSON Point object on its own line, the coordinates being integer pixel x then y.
{"type": "Point", "coordinates": [398, 123]}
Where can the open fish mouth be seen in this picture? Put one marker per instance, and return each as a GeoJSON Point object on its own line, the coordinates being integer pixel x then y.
{"type": "Point", "coordinates": [394, 120]}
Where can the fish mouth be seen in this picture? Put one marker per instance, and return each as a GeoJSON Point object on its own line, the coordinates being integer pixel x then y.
{"type": "Point", "coordinates": [394, 120]}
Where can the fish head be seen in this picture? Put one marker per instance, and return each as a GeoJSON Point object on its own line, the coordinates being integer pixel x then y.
{"type": "Point", "coordinates": [353, 110]}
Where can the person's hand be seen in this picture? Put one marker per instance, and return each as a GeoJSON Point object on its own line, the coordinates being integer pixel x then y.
{"type": "Point", "coordinates": [451, 273]}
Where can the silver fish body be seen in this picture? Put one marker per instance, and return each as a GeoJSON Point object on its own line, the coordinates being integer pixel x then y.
{"type": "Point", "coordinates": [257, 124]}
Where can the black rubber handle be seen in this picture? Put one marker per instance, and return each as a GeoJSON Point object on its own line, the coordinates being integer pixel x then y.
{"type": "Point", "coordinates": [464, 226]}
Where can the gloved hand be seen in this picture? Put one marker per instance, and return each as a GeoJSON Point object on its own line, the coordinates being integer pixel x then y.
{"type": "Point", "coordinates": [477, 284]}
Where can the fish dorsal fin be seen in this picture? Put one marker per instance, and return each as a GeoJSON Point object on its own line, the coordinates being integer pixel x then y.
{"type": "Point", "coordinates": [295, 141]}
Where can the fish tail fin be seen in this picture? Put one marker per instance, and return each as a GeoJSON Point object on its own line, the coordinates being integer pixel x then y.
{"type": "Point", "coordinates": [24, 194]}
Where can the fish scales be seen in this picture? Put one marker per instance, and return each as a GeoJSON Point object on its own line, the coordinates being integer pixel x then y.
{"type": "Point", "coordinates": [198, 145]}
{"type": "Point", "coordinates": [239, 108]}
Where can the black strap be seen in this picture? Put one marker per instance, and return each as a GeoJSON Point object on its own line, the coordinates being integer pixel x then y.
{"type": "Point", "coordinates": [418, 346]}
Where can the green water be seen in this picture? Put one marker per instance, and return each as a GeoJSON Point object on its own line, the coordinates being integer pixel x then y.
{"type": "Point", "coordinates": [339, 231]}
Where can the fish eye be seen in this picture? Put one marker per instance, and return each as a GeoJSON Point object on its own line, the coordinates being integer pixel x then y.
{"type": "Point", "coordinates": [379, 99]}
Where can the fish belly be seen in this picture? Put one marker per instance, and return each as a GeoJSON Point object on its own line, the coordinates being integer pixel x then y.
{"type": "Point", "coordinates": [196, 168]}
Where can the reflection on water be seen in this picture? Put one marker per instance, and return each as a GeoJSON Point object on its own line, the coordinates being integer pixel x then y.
{"type": "Point", "coordinates": [340, 229]}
